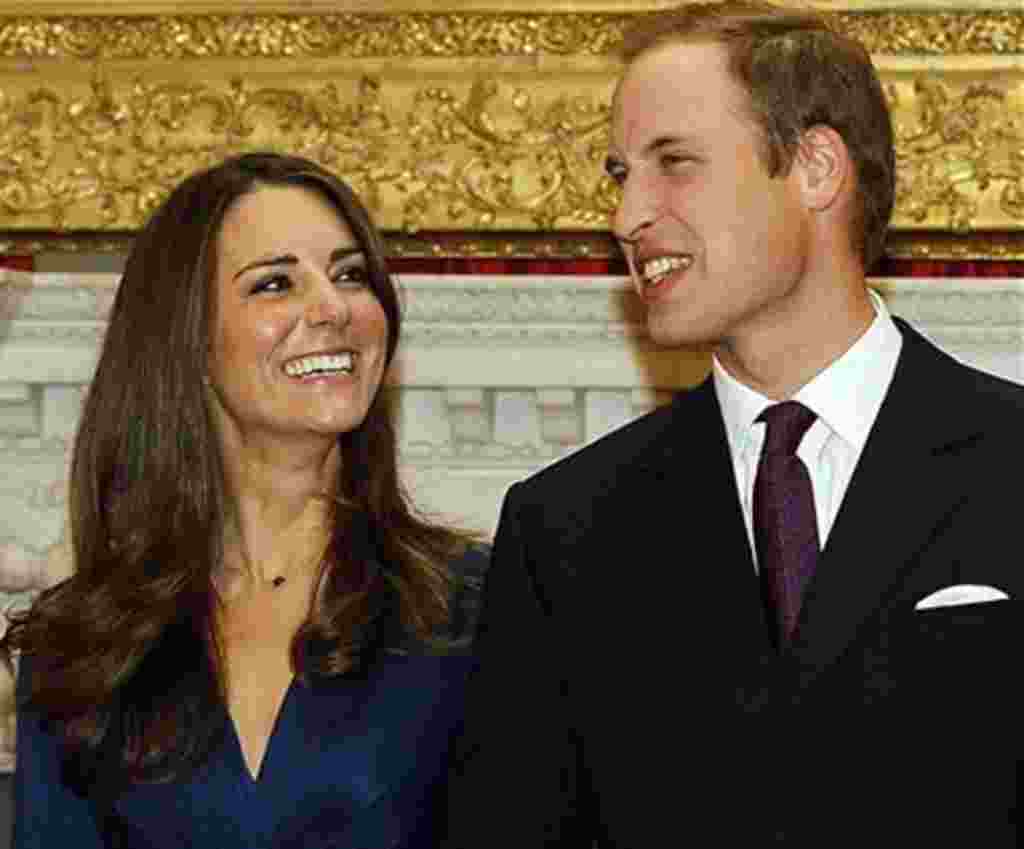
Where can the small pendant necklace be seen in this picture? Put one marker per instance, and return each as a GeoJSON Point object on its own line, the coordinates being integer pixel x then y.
{"type": "Point", "coordinates": [279, 581]}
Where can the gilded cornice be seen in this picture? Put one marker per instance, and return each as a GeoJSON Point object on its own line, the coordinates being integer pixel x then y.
{"type": "Point", "coordinates": [466, 34]}
{"type": "Point", "coordinates": [347, 35]}
{"type": "Point", "coordinates": [469, 119]}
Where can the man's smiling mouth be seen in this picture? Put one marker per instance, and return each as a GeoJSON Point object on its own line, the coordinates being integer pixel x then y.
{"type": "Point", "coordinates": [653, 271]}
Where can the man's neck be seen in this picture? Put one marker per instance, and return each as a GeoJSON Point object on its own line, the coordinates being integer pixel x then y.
{"type": "Point", "coordinates": [778, 360]}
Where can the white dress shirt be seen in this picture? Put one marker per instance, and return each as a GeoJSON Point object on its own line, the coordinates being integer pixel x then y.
{"type": "Point", "coordinates": [846, 398]}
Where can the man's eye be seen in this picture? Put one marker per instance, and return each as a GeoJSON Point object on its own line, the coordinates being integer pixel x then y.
{"type": "Point", "coordinates": [674, 160]}
{"type": "Point", "coordinates": [616, 171]}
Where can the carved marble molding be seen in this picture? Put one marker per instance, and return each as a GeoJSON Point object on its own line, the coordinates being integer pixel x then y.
{"type": "Point", "coordinates": [476, 117]}
{"type": "Point", "coordinates": [466, 340]}
{"type": "Point", "coordinates": [50, 313]}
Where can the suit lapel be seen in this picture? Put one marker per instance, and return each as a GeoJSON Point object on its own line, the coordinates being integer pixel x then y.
{"type": "Point", "coordinates": [688, 482]}
{"type": "Point", "coordinates": [902, 488]}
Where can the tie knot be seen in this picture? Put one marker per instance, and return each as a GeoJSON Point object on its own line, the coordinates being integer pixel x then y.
{"type": "Point", "coordinates": [787, 423]}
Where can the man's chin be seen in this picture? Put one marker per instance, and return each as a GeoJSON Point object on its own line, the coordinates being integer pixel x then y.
{"type": "Point", "coordinates": [674, 334]}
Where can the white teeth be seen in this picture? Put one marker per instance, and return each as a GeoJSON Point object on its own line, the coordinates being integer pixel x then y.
{"type": "Point", "coordinates": [324, 363]}
{"type": "Point", "coordinates": [655, 269]}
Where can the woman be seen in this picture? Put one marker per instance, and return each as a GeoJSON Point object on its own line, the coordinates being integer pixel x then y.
{"type": "Point", "coordinates": [261, 645]}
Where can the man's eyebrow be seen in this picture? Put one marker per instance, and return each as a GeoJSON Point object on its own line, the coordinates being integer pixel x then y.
{"type": "Point", "coordinates": [661, 142]}
{"type": "Point", "coordinates": [291, 259]}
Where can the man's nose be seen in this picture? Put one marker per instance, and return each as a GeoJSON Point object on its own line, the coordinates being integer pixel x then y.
{"type": "Point", "coordinates": [636, 210]}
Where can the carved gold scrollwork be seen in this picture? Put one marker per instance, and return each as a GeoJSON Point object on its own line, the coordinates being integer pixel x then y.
{"type": "Point", "coordinates": [959, 155]}
{"type": "Point", "coordinates": [537, 161]}
{"type": "Point", "coordinates": [439, 159]}
{"type": "Point", "coordinates": [483, 122]}
{"type": "Point", "coordinates": [951, 32]}
{"type": "Point", "coordinates": [480, 154]}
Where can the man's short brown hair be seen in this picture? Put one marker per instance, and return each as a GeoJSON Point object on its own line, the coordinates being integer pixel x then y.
{"type": "Point", "coordinates": [798, 72]}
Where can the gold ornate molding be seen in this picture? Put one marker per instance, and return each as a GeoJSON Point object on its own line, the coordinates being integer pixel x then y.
{"type": "Point", "coordinates": [348, 35]}
{"type": "Point", "coordinates": [362, 35]}
{"type": "Point", "coordinates": [467, 119]}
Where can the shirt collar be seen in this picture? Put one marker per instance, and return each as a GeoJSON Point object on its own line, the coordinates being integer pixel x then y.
{"type": "Point", "coordinates": [740, 405]}
{"type": "Point", "coordinates": [846, 396]}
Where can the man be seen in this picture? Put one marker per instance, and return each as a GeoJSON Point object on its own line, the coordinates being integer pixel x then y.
{"type": "Point", "coordinates": [785, 608]}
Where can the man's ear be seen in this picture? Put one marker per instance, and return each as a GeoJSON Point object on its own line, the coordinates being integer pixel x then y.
{"type": "Point", "coordinates": [824, 166]}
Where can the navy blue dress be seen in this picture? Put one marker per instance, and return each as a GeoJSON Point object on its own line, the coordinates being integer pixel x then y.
{"type": "Point", "coordinates": [350, 764]}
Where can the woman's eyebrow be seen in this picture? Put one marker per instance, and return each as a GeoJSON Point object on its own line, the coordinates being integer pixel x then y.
{"type": "Point", "coordinates": [342, 253]}
{"type": "Point", "coordinates": [291, 259]}
{"type": "Point", "coordinates": [286, 259]}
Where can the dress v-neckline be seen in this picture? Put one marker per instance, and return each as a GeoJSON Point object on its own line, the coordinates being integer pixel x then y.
{"type": "Point", "coordinates": [259, 778]}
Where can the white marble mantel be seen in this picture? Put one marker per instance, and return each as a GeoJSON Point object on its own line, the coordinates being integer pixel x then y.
{"type": "Point", "coordinates": [496, 376]}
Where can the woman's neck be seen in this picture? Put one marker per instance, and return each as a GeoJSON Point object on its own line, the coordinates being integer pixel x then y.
{"type": "Point", "coordinates": [279, 522]}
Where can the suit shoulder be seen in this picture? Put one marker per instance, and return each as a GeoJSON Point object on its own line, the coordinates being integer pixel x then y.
{"type": "Point", "coordinates": [987, 390]}
{"type": "Point", "coordinates": [964, 390]}
{"type": "Point", "coordinates": [1000, 390]}
{"type": "Point", "coordinates": [608, 455]}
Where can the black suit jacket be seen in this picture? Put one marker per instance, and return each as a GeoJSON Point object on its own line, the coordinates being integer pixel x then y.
{"type": "Point", "coordinates": [628, 693]}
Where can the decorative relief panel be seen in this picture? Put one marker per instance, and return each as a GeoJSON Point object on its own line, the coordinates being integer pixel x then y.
{"type": "Point", "coordinates": [960, 149]}
{"type": "Point", "coordinates": [495, 150]}
{"type": "Point", "coordinates": [462, 120]}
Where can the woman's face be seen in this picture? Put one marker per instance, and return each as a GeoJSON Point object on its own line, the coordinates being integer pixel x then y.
{"type": "Point", "coordinates": [299, 342]}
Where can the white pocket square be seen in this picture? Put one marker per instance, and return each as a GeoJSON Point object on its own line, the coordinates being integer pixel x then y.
{"type": "Point", "coordinates": [960, 594]}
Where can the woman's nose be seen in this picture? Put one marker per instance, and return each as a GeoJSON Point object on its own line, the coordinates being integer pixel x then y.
{"type": "Point", "coordinates": [328, 305]}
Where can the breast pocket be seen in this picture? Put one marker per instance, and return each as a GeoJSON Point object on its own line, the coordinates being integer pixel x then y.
{"type": "Point", "coordinates": [960, 661]}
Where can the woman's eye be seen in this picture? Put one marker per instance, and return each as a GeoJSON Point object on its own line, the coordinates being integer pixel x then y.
{"type": "Point", "coordinates": [351, 274]}
{"type": "Point", "coordinates": [274, 283]}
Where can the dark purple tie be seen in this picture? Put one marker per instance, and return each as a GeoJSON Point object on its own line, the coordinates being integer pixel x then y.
{"type": "Point", "coordinates": [785, 523]}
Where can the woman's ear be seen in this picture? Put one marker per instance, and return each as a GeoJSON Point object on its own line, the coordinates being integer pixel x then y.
{"type": "Point", "coordinates": [825, 166]}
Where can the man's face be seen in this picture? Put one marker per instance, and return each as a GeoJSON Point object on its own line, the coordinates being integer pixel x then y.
{"type": "Point", "coordinates": [716, 248]}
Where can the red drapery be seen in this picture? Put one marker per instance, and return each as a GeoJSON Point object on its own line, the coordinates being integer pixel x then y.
{"type": "Point", "coordinates": [539, 267]}
{"type": "Point", "coordinates": [589, 267]}
{"type": "Point", "coordinates": [18, 263]}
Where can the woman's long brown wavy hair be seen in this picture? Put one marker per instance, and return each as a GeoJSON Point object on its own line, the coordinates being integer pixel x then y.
{"type": "Point", "coordinates": [123, 654]}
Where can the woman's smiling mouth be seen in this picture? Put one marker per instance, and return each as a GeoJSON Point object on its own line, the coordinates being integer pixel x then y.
{"type": "Point", "coordinates": [317, 365]}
